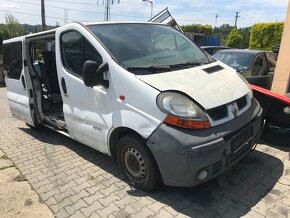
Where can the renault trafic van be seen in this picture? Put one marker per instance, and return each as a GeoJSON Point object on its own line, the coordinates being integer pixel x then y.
{"type": "Point", "coordinates": [142, 93]}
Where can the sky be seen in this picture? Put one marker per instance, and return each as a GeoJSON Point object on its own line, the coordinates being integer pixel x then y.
{"type": "Point", "coordinates": [184, 11]}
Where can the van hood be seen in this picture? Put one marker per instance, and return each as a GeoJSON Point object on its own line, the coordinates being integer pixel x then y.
{"type": "Point", "coordinates": [210, 85]}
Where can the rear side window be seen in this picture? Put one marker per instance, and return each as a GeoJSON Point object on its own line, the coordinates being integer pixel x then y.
{"type": "Point", "coordinates": [75, 50]}
{"type": "Point", "coordinates": [12, 59]}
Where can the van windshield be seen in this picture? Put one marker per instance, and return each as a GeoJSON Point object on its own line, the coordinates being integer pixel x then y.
{"type": "Point", "coordinates": [149, 48]}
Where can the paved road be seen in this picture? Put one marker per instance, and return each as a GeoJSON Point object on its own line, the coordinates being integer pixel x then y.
{"type": "Point", "coordinates": [77, 181]}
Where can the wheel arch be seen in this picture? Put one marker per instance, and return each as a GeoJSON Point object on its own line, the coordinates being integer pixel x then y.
{"type": "Point", "coordinates": [116, 135]}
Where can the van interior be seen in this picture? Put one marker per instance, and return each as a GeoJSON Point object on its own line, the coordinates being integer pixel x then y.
{"type": "Point", "coordinates": [43, 73]}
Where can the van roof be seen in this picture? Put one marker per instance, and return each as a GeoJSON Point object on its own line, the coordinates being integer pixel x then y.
{"type": "Point", "coordinates": [118, 22]}
{"type": "Point", "coordinates": [52, 31]}
{"type": "Point", "coordinates": [20, 38]}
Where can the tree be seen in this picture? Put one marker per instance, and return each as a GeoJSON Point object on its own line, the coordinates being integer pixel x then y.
{"type": "Point", "coordinates": [245, 32]}
{"type": "Point", "coordinates": [12, 26]}
{"type": "Point", "coordinates": [266, 35]}
{"type": "Point", "coordinates": [234, 39]}
{"type": "Point", "coordinates": [3, 33]}
{"type": "Point", "coordinates": [223, 31]}
{"type": "Point", "coordinates": [198, 28]}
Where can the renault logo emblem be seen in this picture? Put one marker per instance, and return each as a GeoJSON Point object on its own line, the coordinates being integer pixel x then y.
{"type": "Point", "coordinates": [235, 109]}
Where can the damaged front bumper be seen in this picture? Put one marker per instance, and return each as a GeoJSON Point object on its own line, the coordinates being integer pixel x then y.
{"type": "Point", "coordinates": [182, 155]}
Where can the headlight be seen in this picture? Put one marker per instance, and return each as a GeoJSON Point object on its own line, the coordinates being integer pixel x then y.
{"type": "Point", "coordinates": [247, 83]}
{"type": "Point", "coordinates": [179, 105]}
{"type": "Point", "coordinates": [182, 111]}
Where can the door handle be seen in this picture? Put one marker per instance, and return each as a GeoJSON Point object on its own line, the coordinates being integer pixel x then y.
{"type": "Point", "coordinates": [63, 86]}
{"type": "Point", "coordinates": [23, 82]}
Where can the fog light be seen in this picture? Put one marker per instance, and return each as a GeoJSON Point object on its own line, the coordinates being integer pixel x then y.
{"type": "Point", "coordinates": [202, 175]}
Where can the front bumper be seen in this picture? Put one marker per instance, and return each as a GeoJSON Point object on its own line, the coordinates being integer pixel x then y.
{"type": "Point", "coordinates": [181, 154]}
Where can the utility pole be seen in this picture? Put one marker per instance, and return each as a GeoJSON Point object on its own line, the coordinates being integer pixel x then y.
{"type": "Point", "coordinates": [43, 15]}
{"type": "Point", "coordinates": [151, 2]}
{"type": "Point", "coordinates": [216, 17]}
{"type": "Point", "coordinates": [107, 10]}
{"type": "Point", "coordinates": [236, 18]}
{"type": "Point", "coordinates": [107, 16]}
{"type": "Point", "coordinates": [65, 15]}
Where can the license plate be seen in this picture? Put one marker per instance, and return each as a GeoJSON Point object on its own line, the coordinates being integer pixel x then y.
{"type": "Point", "coordinates": [242, 139]}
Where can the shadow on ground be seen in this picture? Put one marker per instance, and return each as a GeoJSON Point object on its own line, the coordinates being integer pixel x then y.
{"type": "Point", "coordinates": [232, 195]}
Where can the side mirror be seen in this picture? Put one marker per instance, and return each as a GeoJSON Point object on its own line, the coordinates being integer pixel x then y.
{"type": "Point", "coordinates": [94, 74]}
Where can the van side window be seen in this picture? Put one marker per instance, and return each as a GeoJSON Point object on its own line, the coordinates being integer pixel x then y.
{"type": "Point", "coordinates": [37, 48]}
{"type": "Point", "coordinates": [12, 59]}
{"type": "Point", "coordinates": [75, 50]}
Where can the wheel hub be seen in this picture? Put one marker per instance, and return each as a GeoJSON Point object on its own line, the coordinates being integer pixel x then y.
{"type": "Point", "coordinates": [135, 163]}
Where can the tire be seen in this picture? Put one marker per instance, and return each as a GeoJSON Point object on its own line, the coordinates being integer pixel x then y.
{"type": "Point", "coordinates": [276, 135]}
{"type": "Point", "coordinates": [278, 116]}
{"type": "Point", "coordinates": [138, 164]}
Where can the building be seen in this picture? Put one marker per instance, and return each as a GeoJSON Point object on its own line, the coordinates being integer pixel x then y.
{"type": "Point", "coordinates": [281, 82]}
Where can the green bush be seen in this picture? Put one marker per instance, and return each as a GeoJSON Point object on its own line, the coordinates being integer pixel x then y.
{"type": "Point", "coordinates": [265, 35]}
{"type": "Point", "coordinates": [234, 39]}
{"type": "Point", "coordinates": [198, 28]}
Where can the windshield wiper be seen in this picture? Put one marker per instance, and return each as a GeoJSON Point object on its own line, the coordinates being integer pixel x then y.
{"type": "Point", "coordinates": [188, 64]}
{"type": "Point", "coordinates": [149, 69]}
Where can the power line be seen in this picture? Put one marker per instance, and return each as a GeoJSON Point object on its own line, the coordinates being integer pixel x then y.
{"type": "Point", "coordinates": [70, 2]}
{"type": "Point", "coordinates": [203, 20]}
{"type": "Point", "coordinates": [38, 15]}
{"type": "Point", "coordinates": [77, 10]}
{"type": "Point", "coordinates": [49, 6]}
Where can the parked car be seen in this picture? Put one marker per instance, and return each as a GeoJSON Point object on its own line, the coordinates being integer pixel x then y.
{"type": "Point", "coordinates": [142, 93]}
{"type": "Point", "coordinates": [213, 49]}
{"type": "Point", "coordinates": [256, 66]}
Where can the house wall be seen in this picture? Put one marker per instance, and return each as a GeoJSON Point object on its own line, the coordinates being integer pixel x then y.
{"type": "Point", "coordinates": [281, 82]}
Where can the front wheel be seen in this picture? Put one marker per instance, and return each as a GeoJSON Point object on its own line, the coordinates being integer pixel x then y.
{"type": "Point", "coordinates": [138, 163]}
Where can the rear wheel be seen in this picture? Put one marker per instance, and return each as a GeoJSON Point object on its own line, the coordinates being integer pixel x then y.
{"type": "Point", "coordinates": [138, 163]}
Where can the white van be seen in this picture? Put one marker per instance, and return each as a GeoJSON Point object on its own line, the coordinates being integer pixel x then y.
{"type": "Point", "coordinates": [142, 93]}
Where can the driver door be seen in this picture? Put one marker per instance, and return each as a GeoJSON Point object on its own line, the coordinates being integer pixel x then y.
{"type": "Point", "coordinates": [85, 108]}
{"type": "Point", "coordinates": [259, 73]}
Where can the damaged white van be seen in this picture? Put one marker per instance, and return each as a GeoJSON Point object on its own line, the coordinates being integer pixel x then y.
{"type": "Point", "coordinates": [142, 93]}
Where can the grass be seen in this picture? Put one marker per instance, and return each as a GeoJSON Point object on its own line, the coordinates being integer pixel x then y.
{"type": "Point", "coordinates": [4, 157]}
{"type": "Point", "coordinates": [6, 167]}
{"type": "Point", "coordinates": [20, 178]}
{"type": "Point", "coordinates": [28, 202]}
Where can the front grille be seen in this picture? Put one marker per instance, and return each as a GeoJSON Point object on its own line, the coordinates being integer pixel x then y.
{"type": "Point", "coordinates": [242, 102]}
{"type": "Point", "coordinates": [218, 112]}
{"type": "Point", "coordinates": [222, 112]}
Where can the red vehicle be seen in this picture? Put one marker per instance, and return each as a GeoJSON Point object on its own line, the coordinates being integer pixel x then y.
{"type": "Point", "coordinates": [277, 116]}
